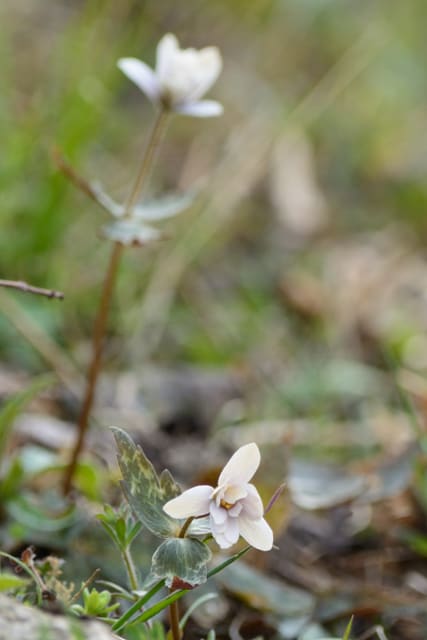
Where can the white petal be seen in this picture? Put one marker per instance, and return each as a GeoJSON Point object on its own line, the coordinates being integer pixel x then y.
{"type": "Point", "coordinates": [231, 532]}
{"type": "Point", "coordinates": [221, 540]}
{"type": "Point", "coordinates": [141, 74]}
{"type": "Point", "coordinates": [201, 109]}
{"type": "Point", "coordinates": [256, 532]}
{"type": "Point", "coordinates": [252, 504]}
{"type": "Point", "coordinates": [236, 510]}
{"type": "Point", "coordinates": [218, 514]}
{"type": "Point", "coordinates": [166, 52]}
{"type": "Point", "coordinates": [209, 64]}
{"type": "Point", "coordinates": [241, 466]}
{"type": "Point", "coordinates": [226, 533]}
{"type": "Point", "coordinates": [235, 492]}
{"type": "Point", "coordinates": [194, 502]}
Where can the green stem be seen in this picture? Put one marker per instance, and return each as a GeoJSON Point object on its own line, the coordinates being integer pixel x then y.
{"type": "Point", "coordinates": [105, 303]}
{"type": "Point", "coordinates": [130, 568]}
{"type": "Point", "coordinates": [166, 602]}
{"type": "Point", "coordinates": [156, 136]}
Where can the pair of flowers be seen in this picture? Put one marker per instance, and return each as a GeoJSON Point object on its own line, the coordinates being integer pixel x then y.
{"type": "Point", "coordinates": [181, 77]}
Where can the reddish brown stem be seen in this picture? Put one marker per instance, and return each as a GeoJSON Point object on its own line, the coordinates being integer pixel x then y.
{"type": "Point", "coordinates": [95, 365]}
{"type": "Point", "coordinates": [174, 621]}
{"type": "Point", "coordinates": [105, 302]}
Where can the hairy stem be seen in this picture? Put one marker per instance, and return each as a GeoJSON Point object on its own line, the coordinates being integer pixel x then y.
{"type": "Point", "coordinates": [105, 303]}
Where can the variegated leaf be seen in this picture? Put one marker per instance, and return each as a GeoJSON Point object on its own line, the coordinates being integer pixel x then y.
{"type": "Point", "coordinates": [145, 491]}
{"type": "Point", "coordinates": [182, 562]}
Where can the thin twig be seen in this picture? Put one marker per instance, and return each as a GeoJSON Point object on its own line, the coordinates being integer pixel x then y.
{"type": "Point", "coordinates": [85, 584]}
{"type": "Point", "coordinates": [20, 285]}
{"type": "Point", "coordinates": [78, 180]}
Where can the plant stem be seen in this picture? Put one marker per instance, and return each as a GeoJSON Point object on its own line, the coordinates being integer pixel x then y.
{"type": "Point", "coordinates": [174, 620]}
{"type": "Point", "coordinates": [105, 303]}
{"type": "Point", "coordinates": [156, 135]}
{"type": "Point", "coordinates": [185, 526]}
{"type": "Point", "coordinates": [130, 568]}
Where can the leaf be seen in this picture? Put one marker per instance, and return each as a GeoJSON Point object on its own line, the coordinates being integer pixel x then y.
{"type": "Point", "coordinates": [131, 233]}
{"type": "Point", "coordinates": [145, 491]}
{"type": "Point", "coordinates": [163, 208]}
{"type": "Point", "coordinates": [184, 559]}
{"type": "Point", "coordinates": [10, 581]}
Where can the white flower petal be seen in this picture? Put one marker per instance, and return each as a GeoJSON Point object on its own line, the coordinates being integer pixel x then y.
{"type": "Point", "coordinates": [241, 466]}
{"type": "Point", "coordinates": [218, 514]}
{"type": "Point", "coordinates": [233, 493]}
{"type": "Point", "coordinates": [231, 531]}
{"type": "Point", "coordinates": [201, 109]}
{"type": "Point", "coordinates": [209, 65]}
{"type": "Point", "coordinates": [256, 532]}
{"type": "Point", "coordinates": [235, 511]}
{"type": "Point", "coordinates": [252, 504]}
{"type": "Point", "coordinates": [221, 540]}
{"type": "Point", "coordinates": [141, 74]}
{"type": "Point", "coordinates": [167, 50]}
{"type": "Point", "coordinates": [227, 533]}
{"type": "Point", "coordinates": [194, 502]}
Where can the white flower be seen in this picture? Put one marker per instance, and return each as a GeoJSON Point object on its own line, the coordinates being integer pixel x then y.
{"type": "Point", "coordinates": [181, 77]}
{"type": "Point", "coordinates": [234, 506]}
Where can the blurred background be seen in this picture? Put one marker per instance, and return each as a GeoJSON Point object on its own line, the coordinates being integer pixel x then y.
{"type": "Point", "coordinates": [299, 271]}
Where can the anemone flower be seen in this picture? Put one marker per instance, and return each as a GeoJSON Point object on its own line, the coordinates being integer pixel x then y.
{"type": "Point", "coordinates": [180, 79]}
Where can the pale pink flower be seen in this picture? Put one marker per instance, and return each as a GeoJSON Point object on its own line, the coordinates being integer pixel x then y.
{"type": "Point", "coordinates": [234, 506]}
{"type": "Point", "coordinates": [180, 79]}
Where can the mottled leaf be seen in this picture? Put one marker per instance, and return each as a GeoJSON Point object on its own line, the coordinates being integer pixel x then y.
{"type": "Point", "coordinates": [182, 562]}
{"type": "Point", "coordinates": [162, 208]}
{"type": "Point", "coordinates": [145, 491]}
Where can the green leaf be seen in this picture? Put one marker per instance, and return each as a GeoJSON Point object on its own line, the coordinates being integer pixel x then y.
{"type": "Point", "coordinates": [131, 233]}
{"type": "Point", "coordinates": [145, 491]}
{"type": "Point", "coordinates": [126, 618]}
{"type": "Point", "coordinates": [182, 562]}
{"type": "Point", "coordinates": [10, 581]}
{"type": "Point", "coordinates": [346, 635]}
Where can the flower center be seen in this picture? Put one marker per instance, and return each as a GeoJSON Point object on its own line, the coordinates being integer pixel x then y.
{"type": "Point", "coordinates": [226, 505]}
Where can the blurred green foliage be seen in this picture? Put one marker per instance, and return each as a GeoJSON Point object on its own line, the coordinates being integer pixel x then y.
{"type": "Point", "coordinates": [350, 74]}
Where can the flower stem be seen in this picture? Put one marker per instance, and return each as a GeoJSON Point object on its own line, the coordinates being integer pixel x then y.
{"type": "Point", "coordinates": [156, 136]}
{"type": "Point", "coordinates": [130, 568]}
{"type": "Point", "coordinates": [105, 303]}
{"type": "Point", "coordinates": [185, 527]}
{"type": "Point", "coordinates": [174, 620]}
